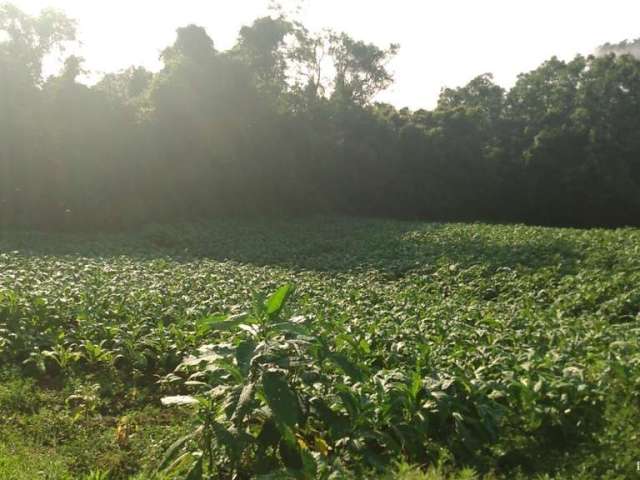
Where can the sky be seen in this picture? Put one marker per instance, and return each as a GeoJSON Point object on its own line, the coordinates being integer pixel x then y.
{"type": "Point", "coordinates": [443, 43]}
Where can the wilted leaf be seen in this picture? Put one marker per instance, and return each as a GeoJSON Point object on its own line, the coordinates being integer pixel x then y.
{"type": "Point", "coordinates": [246, 396]}
{"type": "Point", "coordinates": [179, 400]}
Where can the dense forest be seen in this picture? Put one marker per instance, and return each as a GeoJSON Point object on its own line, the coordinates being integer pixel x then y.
{"type": "Point", "coordinates": [285, 123]}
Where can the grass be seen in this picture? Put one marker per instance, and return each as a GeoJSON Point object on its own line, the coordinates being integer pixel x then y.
{"type": "Point", "coordinates": [524, 340]}
{"type": "Point", "coordinates": [24, 461]}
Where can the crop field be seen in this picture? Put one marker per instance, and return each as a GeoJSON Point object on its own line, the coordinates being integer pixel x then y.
{"type": "Point", "coordinates": [320, 348]}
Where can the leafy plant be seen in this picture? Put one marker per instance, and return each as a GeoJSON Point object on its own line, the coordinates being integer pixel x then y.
{"type": "Point", "coordinates": [497, 347]}
{"type": "Point", "coordinates": [251, 413]}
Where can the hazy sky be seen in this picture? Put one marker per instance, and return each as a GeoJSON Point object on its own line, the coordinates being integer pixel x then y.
{"type": "Point", "coordinates": [443, 42]}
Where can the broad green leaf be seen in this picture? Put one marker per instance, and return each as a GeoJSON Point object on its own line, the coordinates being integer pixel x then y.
{"type": "Point", "coordinates": [196, 471]}
{"type": "Point", "coordinates": [221, 323]}
{"type": "Point", "coordinates": [225, 438]}
{"type": "Point", "coordinates": [276, 301]}
{"type": "Point", "coordinates": [349, 402]}
{"type": "Point", "coordinates": [269, 434]}
{"type": "Point", "coordinates": [179, 464]}
{"type": "Point", "coordinates": [244, 353]}
{"type": "Point", "coordinates": [309, 464]}
{"type": "Point", "coordinates": [293, 328]}
{"type": "Point", "coordinates": [289, 450]}
{"type": "Point", "coordinates": [364, 346]}
{"type": "Point", "coordinates": [175, 447]}
{"type": "Point", "coordinates": [347, 366]}
{"type": "Point", "coordinates": [280, 398]}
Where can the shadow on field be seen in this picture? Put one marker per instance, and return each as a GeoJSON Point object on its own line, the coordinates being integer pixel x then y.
{"type": "Point", "coordinates": [321, 244]}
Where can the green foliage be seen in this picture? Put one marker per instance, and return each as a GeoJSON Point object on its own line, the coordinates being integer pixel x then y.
{"type": "Point", "coordinates": [498, 348]}
{"type": "Point", "coordinates": [247, 405]}
{"type": "Point", "coordinates": [285, 123]}
{"type": "Point", "coordinates": [630, 47]}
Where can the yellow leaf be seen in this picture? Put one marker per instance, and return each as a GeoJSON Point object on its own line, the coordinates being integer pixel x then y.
{"type": "Point", "coordinates": [302, 443]}
{"type": "Point", "coordinates": [322, 446]}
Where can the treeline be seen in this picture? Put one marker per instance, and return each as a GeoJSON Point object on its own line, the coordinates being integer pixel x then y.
{"type": "Point", "coordinates": [283, 123]}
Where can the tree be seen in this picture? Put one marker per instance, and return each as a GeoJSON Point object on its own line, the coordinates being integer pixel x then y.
{"type": "Point", "coordinates": [127, 85]}
{"type": "Point", "coordinates": [24, 43]}
{"type": "Point", "coordinates": [284, 123]}
{"type": "Point", "coordinates": [630, 47]}
{"type": "Point", "coordinates": [261, 47]}
{"type": "Point", "coordinates": [29, 39]}
{"type": "Point", "coordinates": [193, 43]}
{"type": "Point", "coordinates": [360, 68]}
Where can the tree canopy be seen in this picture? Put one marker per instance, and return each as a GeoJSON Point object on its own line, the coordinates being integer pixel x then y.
{"type": "Point", "coordinates": [286, 123]}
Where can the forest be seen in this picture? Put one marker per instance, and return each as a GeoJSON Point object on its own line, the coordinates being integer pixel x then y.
{"type": "Point", "coordinates": [243, 265]}
{"type": "Point", "coordinates": [285, 123]}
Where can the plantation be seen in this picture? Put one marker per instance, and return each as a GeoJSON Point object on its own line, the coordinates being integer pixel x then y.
{"type": "Point", "coordinates": [320, 348]}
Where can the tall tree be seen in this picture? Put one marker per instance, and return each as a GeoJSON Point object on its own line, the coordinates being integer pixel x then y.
{"type": "Point", "coordinates": [24, 43]}
{"type": "Point", "coordinates": [360, 68]}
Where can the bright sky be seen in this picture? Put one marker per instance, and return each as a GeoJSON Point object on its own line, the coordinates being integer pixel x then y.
{"type": "Point", "coordinates": [443, 42]}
